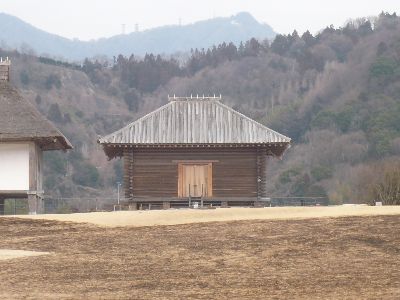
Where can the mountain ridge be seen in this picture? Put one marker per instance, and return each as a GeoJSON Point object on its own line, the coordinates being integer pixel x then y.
{"type": "Point", "coordinates": [169, 39]}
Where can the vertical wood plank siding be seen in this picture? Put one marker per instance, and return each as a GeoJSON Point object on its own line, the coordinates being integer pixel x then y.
{"type": "Point", "coordinates": [155, 172]}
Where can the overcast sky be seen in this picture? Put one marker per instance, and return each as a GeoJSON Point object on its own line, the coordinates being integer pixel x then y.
{"type": "Point", "coordinates": [90, 19]}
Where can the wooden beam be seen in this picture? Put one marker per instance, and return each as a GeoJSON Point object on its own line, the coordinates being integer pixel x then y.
{"type": "Point", "coordinates": [177, 199]}
{"type": "Point", "coordinates": [258, 178]}
{"type": "Point", "coordinates": [210, 180]}
{"type": "Point", "coordinates": [194, 161]}
{"type": "Point", "coordinates": [180, 180]}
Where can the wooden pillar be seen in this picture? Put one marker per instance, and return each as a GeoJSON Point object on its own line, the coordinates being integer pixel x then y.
{"type": "Point", "coordinates": [262, 160]}
{"type": "Point", "coordinates": [35, 193]}
{"type": "Point", "coordinates": [133, 206]}
{"type": "Point", "coordinates": [35, 204]}
{"type": "Point", "coordinates": [128, 174]}
{"type": "Point", "coordinates": [166, 204]}
{"type": "Point", "coordinates": [40, 205]}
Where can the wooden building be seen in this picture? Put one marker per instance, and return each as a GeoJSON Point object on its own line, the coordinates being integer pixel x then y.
{"type": "Point", "coordinates": [24, 135]}
{"type": "Point", "coordinates": [194, 149]}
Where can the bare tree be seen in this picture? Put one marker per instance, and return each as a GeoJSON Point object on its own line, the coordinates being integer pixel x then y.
{"type": "Point", "coordinates": [388, 190]}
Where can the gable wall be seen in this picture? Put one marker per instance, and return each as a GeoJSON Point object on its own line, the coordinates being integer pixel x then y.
{"type": "Point", "coordinates": [155, 173]}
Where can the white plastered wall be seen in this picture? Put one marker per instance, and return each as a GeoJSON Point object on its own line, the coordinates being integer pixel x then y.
{"type": "Point", "coordinates": [14, 167]}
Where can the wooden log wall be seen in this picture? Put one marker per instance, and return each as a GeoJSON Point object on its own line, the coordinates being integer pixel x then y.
{"type": "Point", "coordinates": [262, 160]}
{"type": "Point", "coordinates": [128, 174]}
{"type": "Point", "coordinates": [154, 173]}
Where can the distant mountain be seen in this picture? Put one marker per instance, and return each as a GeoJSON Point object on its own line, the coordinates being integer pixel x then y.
{"type": "Point", "coordinates": [17, 34]}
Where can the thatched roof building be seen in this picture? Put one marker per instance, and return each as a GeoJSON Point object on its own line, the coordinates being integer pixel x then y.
{"type": "Point", "coordinates": [20, 121]}
{"type": "Point", "coordinates": [24, 135]}
{"type": "Point", "coordinates": [194, 148]}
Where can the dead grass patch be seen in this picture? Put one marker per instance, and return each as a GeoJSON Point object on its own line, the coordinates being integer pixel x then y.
{"type": "Point", "coordinates": [326, 258]}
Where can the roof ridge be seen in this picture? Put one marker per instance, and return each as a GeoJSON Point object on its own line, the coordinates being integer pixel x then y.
{"type": "Point", "coordinates": [193, 98]}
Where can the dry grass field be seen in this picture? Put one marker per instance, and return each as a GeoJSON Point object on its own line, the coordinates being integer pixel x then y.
{"type": "Point", "coordinates": [188, 216]}
{"type": "Point", "coordinates": [353, 257]}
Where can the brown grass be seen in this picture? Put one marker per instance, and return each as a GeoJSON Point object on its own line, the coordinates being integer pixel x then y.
{"type": "Point", "coordinates": [327, 258]}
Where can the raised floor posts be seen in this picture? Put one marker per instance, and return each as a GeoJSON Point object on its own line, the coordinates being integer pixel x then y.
{"type": "Point", "coordinates": [133, 206]}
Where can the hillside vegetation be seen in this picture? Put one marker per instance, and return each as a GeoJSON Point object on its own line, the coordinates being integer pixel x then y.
{"type": "Point", "coordinates": [336, 94]}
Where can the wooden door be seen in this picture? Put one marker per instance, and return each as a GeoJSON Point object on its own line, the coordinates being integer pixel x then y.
{"type": "Point", "coordinates": [195, 180]}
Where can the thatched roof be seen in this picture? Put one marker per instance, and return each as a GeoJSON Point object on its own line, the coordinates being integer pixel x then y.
{"type": "Point", "coordinates": [187, 121]}
{"type": "Point", "coordinates": [20, 121]}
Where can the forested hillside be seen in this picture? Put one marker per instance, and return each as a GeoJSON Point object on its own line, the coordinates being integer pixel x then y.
{"type": "Point", "coordinates": [336, 94]}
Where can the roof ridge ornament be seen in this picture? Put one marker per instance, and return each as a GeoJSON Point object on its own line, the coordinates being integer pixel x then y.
{"type": "Point", "coordinates": [6, 61]}
{"type": "Point", "coordinates": [194, 98]}
{"type": "Point", "coordinates": [5, 69]}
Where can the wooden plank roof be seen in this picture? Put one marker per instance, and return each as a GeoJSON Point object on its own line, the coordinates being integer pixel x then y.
{"type": "Point", "coordinates": [194, 121]}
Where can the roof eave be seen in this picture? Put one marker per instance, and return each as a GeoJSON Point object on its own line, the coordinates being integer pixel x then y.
{"type": "Point", "coordinates": [46, 143]}
{"type": "Point", "coordinates": [276, 149]}
{"type": "Point", "coordinates": [104, 143]}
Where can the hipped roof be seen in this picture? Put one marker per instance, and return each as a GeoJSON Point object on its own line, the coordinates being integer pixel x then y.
{"type": "Point", "coordinates": [20, 121]}
{"type": "Point", "coordinates": [200, 121]}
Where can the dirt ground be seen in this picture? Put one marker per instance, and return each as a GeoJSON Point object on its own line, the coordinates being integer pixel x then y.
{"type": "Point", "coordinates": [324, 258]}
{"type": "Point", "coordinates": [187, 216]}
